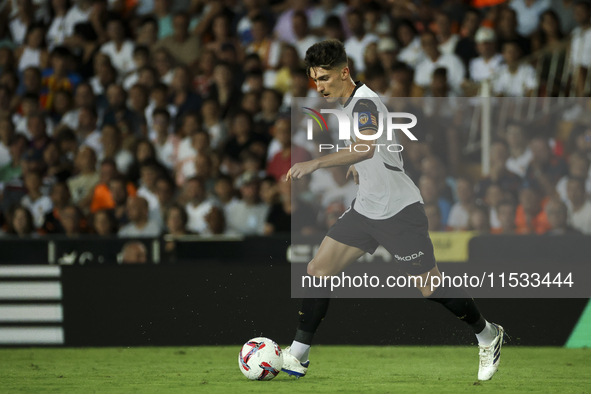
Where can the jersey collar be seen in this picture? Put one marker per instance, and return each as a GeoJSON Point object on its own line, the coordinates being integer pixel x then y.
{"type": "Point", "coordinates": [358, 84]}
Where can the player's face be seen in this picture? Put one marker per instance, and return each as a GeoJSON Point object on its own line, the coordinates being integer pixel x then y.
{"type": "Point", "coordinates": [329, 83]}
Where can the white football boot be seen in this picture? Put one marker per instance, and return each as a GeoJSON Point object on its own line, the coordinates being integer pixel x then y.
{"type": "Point", "coordinates": [292, 366]}
{"type": "Point", "coordinates": [490, 356]}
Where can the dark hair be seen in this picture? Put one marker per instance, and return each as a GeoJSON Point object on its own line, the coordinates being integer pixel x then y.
{"type": "Point", "coordinates": [161, 111]}
{"type": "Point", "coordinates": [86, 31]}
{"type": "Point", "coordinates": [28, 215]}
{"type": "Point", "coordinates": [326, 54]}
{"type": "Point", "coordinates": [333, 22]}
{"type": "Point", "coordinates": [62, 52]}
{"type": "Point", "coordinates": [110, 215]}
{"type": "Point", "coordinates": [34, 26]}
{"type": "Point", "coordinates": [184, 216]}
{"type": "Point", "coordinates": [141, 49]}
{"type": "Point", "coordinates": [440, 72]}
{"type": "Point", "coordinates": [31, 96]}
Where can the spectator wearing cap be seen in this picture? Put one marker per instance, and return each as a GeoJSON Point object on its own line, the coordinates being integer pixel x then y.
{"type": "Point", "coordinates": [557, 214]}
{"type": "Point", "coordinates": [359, 40]}
{"type": "Point", "coordinates": [579, 207]}
{"type": "Point", "coordinates": [466, 46]}
{"type": "Point", "coordinates": [281, 162]}
{"type": "Point", "coordinates": [528, 14]}
{"type": "Point", "coordinates": [410, 52]}
{"type": "Point", "coordinates": [183, 47]}
{"type": "Point", "coordinates": [515, 78]}
{"type": "Point", "coordinates": [139, 223]}
{"type": "Point", "coordinates": [530, 217]}
{"type": "Point", "coordinates": [435, 59]}
{"type": "Point", "coordinates": [248, 216]}
{"type": "Point", "coordinates": [488, 64]}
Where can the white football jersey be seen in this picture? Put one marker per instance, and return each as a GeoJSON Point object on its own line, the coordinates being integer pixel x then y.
{"type": "Point", "coordinates": [384, 187]}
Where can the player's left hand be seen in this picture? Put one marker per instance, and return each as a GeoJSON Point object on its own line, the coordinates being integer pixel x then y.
{"type": "Point", "coordinates": [299, 170]}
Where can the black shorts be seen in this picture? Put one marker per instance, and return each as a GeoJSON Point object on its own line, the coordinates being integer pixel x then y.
{"type": "Point", "coordinates": [405, 235]}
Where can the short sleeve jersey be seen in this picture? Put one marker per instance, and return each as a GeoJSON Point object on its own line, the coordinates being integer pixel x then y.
{"type": "Point", "coordinates": [384, 187]}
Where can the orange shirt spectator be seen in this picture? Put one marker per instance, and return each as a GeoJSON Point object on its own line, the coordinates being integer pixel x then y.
{"type": "Point", "coordinates": [102, 198]}
{"type": "Point", "coordinates": [539, 223]}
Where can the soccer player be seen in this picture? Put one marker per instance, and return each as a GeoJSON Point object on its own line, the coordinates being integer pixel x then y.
{"type": "Point", "coordinates": [388, 211]}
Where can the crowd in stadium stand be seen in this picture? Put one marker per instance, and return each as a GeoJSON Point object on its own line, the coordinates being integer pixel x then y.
{"type": "Point", "coordinates": [152, 117]}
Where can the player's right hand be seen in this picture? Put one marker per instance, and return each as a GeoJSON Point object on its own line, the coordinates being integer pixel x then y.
{"type": "Point", "coordinates": [355, 174]}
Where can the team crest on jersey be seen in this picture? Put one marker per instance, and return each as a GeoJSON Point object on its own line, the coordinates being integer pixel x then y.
{"type": "Point", "coordinates": [363, 118]}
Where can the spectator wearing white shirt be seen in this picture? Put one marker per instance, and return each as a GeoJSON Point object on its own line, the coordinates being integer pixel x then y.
{"type": "Point", "coordinates": [57, 29]}
{"type": "Point", "coordinates": [447, 40]}
{"type": "Point", "coordinates": [528, 14]}
{"type": "Point", "coordinates": [87, 132]}
{"type": "Point", "coordinates": [78, 13]}
{"type": "Point", "coordinates": [435, 59]}
{"type": "Point", "coordinates": [580, 46]}
{"type": "Point", "coordinates": [515, 79]}
{"type": "Point", "coordinates": [579, 207]}
{"type": "Point", "coordinates": [520, 155]}
{"type": "Point", "coordinates": [139, 223]}
{"type": "Point", "coordinates": [6, 136]}
{"type": "Point", "coordinates": [578, 167]}
{"type": "Point", "coordinates": [163, 140]}
{"type": "Point", "coordinates": [34, 200]}
{"type": "Point", "coordinates": [356, 44]}
{"type": "Point", "coordinates": [460, 211]}
{"type": "Point", "coordinates": [83, 97]}
{"type": "Point", "coordinates": [411, 51]}
{"type": "Point", "coordinates": [304, 39]}
{"type": "Point", "coordinates": [197, 204]}
{"type": "Point", "coordinates": [488, 64]}
{"type": "Point", "coordinates": [118, 48]}
{"type": "Point", "coordinates": [248, 216]}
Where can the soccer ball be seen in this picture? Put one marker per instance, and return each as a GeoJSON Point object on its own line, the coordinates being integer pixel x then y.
{"type": "Point", "coordinates": [260, 359]}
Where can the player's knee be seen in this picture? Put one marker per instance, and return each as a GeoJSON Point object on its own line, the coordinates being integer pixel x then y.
{"type": "Point", "coordinates": [314, 269]}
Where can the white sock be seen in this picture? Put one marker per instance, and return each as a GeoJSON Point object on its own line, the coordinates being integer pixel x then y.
{"type": "Point", "coordinates": [300, 350]}
{"type": "Point", "coordinates": [486, 336]}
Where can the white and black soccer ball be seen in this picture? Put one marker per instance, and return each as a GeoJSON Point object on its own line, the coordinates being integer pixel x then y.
{"type": "Point", "coordinates": [260, 359]}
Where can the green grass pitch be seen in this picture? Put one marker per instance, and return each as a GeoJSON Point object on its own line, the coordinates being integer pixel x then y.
{"type": "Point", "coordinates": [342, 369]}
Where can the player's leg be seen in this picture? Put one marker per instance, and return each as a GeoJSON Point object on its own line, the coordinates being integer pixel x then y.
{"type": "Point", "coordinates": [406, 237]}
{"type": "Point", "coordinates": [332, 257]}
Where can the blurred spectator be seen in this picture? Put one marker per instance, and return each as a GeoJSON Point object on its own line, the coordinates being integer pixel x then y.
{"type": "Point", "coordinates": [150, 172]}
{"type": "Point", "coordinates": [545, 168]}
{"type": "Point", "coordinates": [478, 220]}
{"type": "Point", "coordinates": [557, 214]}
{"type": "Point", "coordinates": [248, 215]}
{"type": "Point", "coordinates": [359, 40]}
{"type": "Point", "coordinates": [37, 203]}
{"type": "Point", "coordinates": [528, 14]}
{"type": "Point", "coordinates": [430, 194]}
{"type": "Point", "coordinates": [263, 44]}
{"type": "Point", "coordinates": [185, 100]}
{"type": "Point", "coordinates": [498, 171]}
{"type": "Point", "coordinates": [60, 198]}
{"type": "Point", "coordinates": [492, 197]}
{"type": "Point", "coordinates": [304, 38]}
{"type": "Point", "coordinates": [264, 120]}
{"type": "Point", "coordinates": [564, 9]}
{"type": "Point", "coordinates": [87, 132]}
{"type": "Point", "coordinates": [59, 76]}
{"type": "Point", "coordinates": [111, 140]}
{"type": "Point", "coordinates": [520, 154]}
{"type": "Point", "coordinates": [216, 222]}
{"type": "Point", "coordinates": [20, 223]}
{"type": "Point", "coordinates": [514, 79]}
{"type": "Point", "coordinates": [164, 142]}
{"type": "Point", "coordinates": [164, 65]}
{"type": "Point", "coordinates": [139, 224]}
{"type": "Point", "coordinates": [104, 223]}
{"type": "Point", "coordinates": [579, 207]}
{"type": "Point", "coordinates": [488, 64]}
{"type": "Point", "coordinates": [460, 211]}
{"type": "Point", "coordinates": [82, 185]}
{"type": "Point", "coordinates": [225, 193]}
{"type": "Point", "coordinates": [506, 216]}
{"type": "Point", "coordinates": [507, 31]}
{"type": "Point", "coordinates": [84, 97]}
{"type": "Point", "coordinates": [56, 33]}
{"type": "Point", "coordinates": [411, 52]}
{"type": "Point", "coordinates": [580, 45]}
{"type": "Point", "coordinates": [578, 167]}
{"type": "Point", "coordinates": [165, 191]}
{"type": "Point", "coordinates": [433, 217]}
{"type": "Point", "coordinates": [71, 220]}
{"type": "Point", "coordinates": [447, 40]}
{"type": "Point", "coordinates": [183, 48]}
{"type": "Point", "coordinates": [85, 43]}
{"type": "Point", "coordinates": [6, 136]}
{"type": "Point", "coordinates": [176, 220]}
{"type": "Point", "coordinates": [196, 204]}
{"type": "Point", "coordinates": [530, 217]}
{"type": "Point", "coordinates": [141, 60]}
{"type": "Point", "coordinates": [281, 162]}
{"type": "Point", "coordinates": [435, 59]}
{"type": "Point", "coordinates": [466, 46]}
{"type": "Point", "coordinates": [33, 52]}
{"type": "Point", "coordinates": [134, 252]}
{"type": "Point", "coordinates": [13, 169]}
